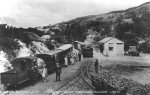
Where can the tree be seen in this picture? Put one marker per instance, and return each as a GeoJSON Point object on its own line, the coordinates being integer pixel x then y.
{"type": "Point", "coordinates": [9, 43]}
{"type": "Point", "coordinates": [49, 44]}
{"type": "Point", "coordinates": [144, 47]}
{"type": "Point", "coordinates": [35, 31]}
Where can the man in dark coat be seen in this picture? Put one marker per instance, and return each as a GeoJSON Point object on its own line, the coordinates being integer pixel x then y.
{"type": "Point", "coordinates": [79, 55]}
{"type": "Point", "coordinates": [58, 72]}
{"type": "Point", "coordinates": [96, 64]}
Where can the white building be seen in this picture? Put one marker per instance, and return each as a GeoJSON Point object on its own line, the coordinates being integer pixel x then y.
{"type": "Point", "coordinates": [90, 38]}
{"type": "Point", "coordinates": [44, 38]}
{"type": "Point", "coordinates": [111, 46]}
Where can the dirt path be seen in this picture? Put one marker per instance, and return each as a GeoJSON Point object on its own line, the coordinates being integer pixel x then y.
{"type": "Point", "coordinates": [140, 74]}
{"type": "Point", "coordinates": [143, 58]}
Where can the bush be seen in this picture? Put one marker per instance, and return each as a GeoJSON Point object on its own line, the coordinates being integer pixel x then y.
{"type": "Point", "coordinates": [144, 47]}
{"type": "Point", "coordinates": [9, 43]}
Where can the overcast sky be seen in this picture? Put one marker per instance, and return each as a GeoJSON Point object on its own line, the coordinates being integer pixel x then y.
{"type": "Point", "coordinates": [32, 13]}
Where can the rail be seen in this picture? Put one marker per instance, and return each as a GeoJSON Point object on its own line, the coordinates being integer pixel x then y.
{"type": "Point", "coordinates": [86, 76]}
{"type": "Point", "coordinates": [83, 72]}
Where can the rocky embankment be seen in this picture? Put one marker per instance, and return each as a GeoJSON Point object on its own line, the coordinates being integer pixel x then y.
{"type": "Point", "coordinates": [133, 87]}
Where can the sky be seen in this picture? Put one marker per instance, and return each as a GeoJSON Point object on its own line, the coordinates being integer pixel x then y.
{"type": "Point", "coordinates": [34, 13]}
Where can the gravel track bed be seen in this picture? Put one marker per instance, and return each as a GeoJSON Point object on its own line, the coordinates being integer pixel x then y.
{"type": "Point", "coordinates": [82, 88]}
{"type": "Point", "coordinates": [113, 79]}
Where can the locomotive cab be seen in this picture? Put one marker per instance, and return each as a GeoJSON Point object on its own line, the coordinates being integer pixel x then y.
{"type": "Point", "coordinates": [20, 72]}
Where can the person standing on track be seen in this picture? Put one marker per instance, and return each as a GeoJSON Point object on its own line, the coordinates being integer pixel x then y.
{"type": "Point", "coordinates": [58, 72]}
{"type": "Point", "coordinates": [96, 64]}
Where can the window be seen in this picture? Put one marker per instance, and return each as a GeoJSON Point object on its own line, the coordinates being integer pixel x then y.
{"type": "Point", "coordinates": [23, 64]}
{"type": "Point", "coordinates": [110, 48]}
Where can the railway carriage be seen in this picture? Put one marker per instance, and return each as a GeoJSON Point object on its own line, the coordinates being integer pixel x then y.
{"type": "Point", "coordinates": [78, 45]}
{"type": "Point", "coordinates": [51, 58]}
{"type": "Point", "coordinates": [67, 51]}
{"type": "Point", "coordinates": [54, 56]}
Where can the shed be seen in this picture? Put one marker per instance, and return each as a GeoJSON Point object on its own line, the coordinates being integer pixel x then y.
{"type": "Point", "coordinates": [111, 46]}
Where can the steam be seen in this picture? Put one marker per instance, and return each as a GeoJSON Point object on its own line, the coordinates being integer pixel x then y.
{"type": "Point", "coordinates": [4, 62]}
{"type": "Point", "coordinates": [39, 47]}
{"type": "Point", "coordinates": [23, 51]}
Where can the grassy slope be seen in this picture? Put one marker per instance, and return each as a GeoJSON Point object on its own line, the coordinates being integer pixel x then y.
{"type": "Point", "coordinates": [103, 24]}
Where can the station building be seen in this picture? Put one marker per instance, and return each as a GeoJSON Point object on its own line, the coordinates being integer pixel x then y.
{"type": "Point", "coordinates": [111, 46]}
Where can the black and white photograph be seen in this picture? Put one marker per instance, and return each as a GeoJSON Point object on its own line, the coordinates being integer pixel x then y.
{"type": "Point", "coordinates": [74, 47]}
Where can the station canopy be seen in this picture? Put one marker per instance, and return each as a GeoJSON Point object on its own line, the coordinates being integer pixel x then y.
{"type": "Point", "coordinates": [53, 52]}
{"type": "Point", "coordinates": [65, 47]}
{"type": "Point", "coordinates": [79, 42]}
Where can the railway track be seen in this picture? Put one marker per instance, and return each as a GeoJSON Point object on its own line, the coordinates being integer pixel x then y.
{"type": "Point", "coordinates": [86, 76]}
{"type": "Point", "coordinates": [82, 73]}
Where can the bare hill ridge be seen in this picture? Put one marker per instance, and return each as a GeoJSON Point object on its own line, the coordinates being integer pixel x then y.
{"type": "Point", "coordinates": [130, 25]}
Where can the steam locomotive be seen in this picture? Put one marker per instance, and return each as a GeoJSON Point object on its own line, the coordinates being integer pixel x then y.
{"type": "Point", "coordinates": [85, 49]}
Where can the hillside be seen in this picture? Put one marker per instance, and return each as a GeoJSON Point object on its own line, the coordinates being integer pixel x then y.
{"type": "Point", "coordinates": [20, 42]}
{"type": "Point", "coordinates": [131, 25]}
